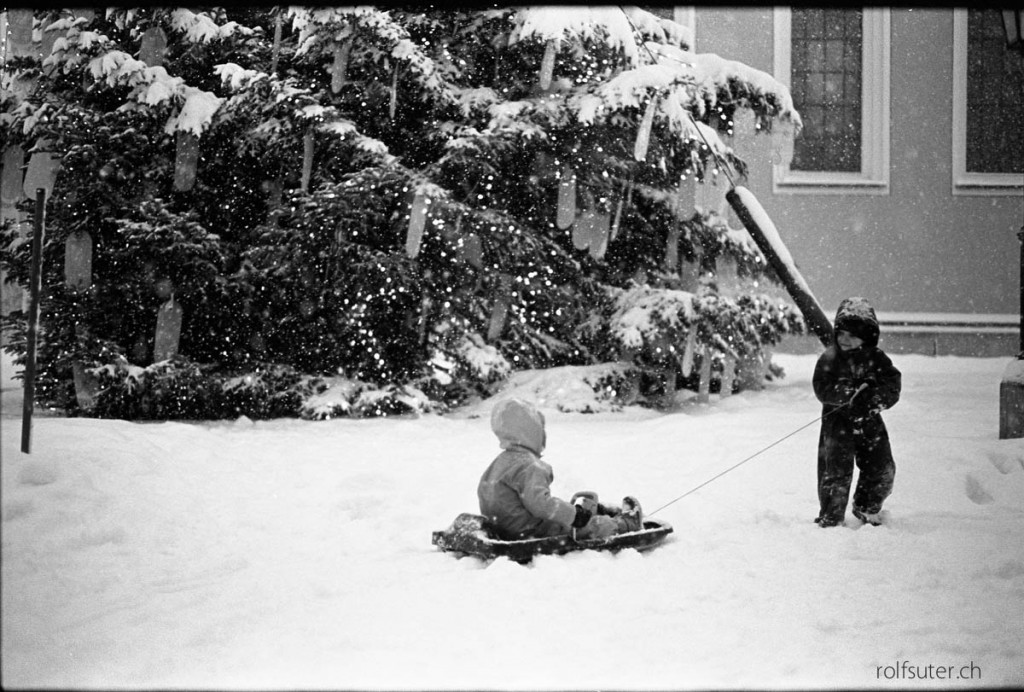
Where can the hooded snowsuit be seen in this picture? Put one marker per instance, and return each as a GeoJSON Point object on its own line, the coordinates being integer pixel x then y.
{"type": "Point", "coordinates": [854, 434]}
{"type": "Point", "coordinates": [515, 490]}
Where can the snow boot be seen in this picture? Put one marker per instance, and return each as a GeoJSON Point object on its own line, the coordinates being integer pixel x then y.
{"type": "Point", "coordinates": [827, 523]}
{"type": "Point", "coordinates": [873, 518]}
{"type": "Point", "coordinates": [632, 516]}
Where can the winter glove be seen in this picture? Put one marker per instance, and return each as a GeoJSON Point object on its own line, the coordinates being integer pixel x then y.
{"type": "Point", "coordinates": [582, 517]}
{"type": "Point", "coordinates": [865, 404]}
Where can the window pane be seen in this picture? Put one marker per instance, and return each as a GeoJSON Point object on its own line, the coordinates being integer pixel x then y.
{"type": "Point", "coordinates": [829, 56]}
{"type": "Point", "coordinates": [995, 97]}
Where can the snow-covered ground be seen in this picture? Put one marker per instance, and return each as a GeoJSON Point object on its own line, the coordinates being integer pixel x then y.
{"type": "Point", "coordinates": [296, 554]}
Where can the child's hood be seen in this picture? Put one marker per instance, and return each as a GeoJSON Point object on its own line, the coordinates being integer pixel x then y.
{"type": "Point", "coordinates": [516, 422]}
{"type": "Point", "coordinates": [856, 316]}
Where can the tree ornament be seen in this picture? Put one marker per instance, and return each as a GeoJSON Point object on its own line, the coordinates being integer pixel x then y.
{"type": "Point", "coordinates": [704, 386]}
{"type": "Point", "coordinates": [686, 198]}
{"type": "Point", "coordinates": [13, 180]}
{"type": "Point", "coordinates": [599, 235]}
{"type": "Point", "coordinates": [566, 198]}
{"type": "Point", "coordinates": [744, 128]}
{"type": "Point", "coordinates": [153, 46]}
{"type": "Point", "coordinates": [19, 23]}
{"type": "Point", "coordinates": [582, 230]}
{"type": "Point", "coordinates": [473, 251]}
{"type": "Point", "coordinates": [276, 51]}
{"type": "Point", "coordinates": [78, 261]}
{"type": "Point", "coordinates": [728, 375]}
{"type": "Point", "coordinates": [86, 386]}
{"type": "Point", "coordinates": [672, 247]}
{"type": "Point", "coordinates": [547, 64]}
{"type": "Point", "coordinates": [339, 70]}
{"type": "Point", "coordinates": [502, 301]}
{"type": "Point", "coordinates": [783, 136]}
{"type": "Point", "coordinates": [711, 196]}
{"type": "Point", "coordinates": [307, 159]}
{"type": "Point", "coordinates": [186, 160]}
{"type": "Point", "coordinates": [690, 346]}
{"type": "Point", "coordinates": [42, 170]}
{"type": "Point", "coordinates": [168, 331]}
{"type": "Point", "coordinates": [614, 230]}
{"type": "Point", "coordinates": [689, 274]}
{"type": "Point", "coordinates": [417, 222]}
{"type": "Point", "coordinates": [393, 105]}
{"type": "Point", "coordinates": [643, 134]}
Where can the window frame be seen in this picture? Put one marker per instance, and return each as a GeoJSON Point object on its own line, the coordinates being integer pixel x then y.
{"type": "Point", "coordinates": [965, 182]}
{"type": "Point", "coordinates": [873, 178]}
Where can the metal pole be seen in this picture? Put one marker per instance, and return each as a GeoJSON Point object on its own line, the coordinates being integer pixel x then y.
{"type": "Point", "coordinates": [33, 323]}
{"type": "Point", "coordinates": [1020, 236]}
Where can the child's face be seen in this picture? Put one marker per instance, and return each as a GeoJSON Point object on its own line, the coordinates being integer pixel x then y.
{"type": "Point", "coordinates": [848, 341]}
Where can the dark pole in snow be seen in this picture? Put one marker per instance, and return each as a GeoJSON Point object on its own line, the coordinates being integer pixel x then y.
{"type": "Point", "coordinates": [812, 312]}
{"type": "Point", "coordinates": [33, 323]}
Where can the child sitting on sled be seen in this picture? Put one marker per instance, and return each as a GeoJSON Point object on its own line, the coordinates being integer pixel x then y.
{"type": "Point", "coordinates": [515, 490]}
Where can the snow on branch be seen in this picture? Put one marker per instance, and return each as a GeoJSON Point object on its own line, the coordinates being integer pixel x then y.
{"type": "Point", "coordinates": [237, 77]}
{"type": "Point", "coordinates": [611, 25]}
{"type": "Point", "coordinates": [200, 28]}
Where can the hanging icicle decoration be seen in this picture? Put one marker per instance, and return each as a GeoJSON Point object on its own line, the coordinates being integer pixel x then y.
{"type": "Point", "coordinates": [19, 23]}
{"type": "Point", "coordinates": [276, 51]}
{"type": "Point", "coordinates": [547, 64]}
{"type": "Point", "coordinates": [711, 196]}
{"type": "Point", "coordinates": [672, 247]}
{"type": "Point", "coordinates": [339, 70]}
{"type": "Point", "coordinates": [78, 261]}
{"type": "Point", "coordinates": [614, 230]}
{"type": "Point", "coordinates": [582, 230]}
{"type": "Point", "coordinates": [728, 375]}
{"type": "Point", "coordinates": [168, 330]}
{"type": "Point", "coordinates": [42, 171]}
{"type": "Point", "coordinates": [153, 46]}
{"type": "Point", "coordinates": [690, 346]}
{"type": "Point", "coordinates": [186, 160]}
{"type": "Point", "coordinates": [566, 198]}
{"type": "Point", "coordinates": [86, 386]}
{"type": "Point", "coordinates": [783, 136]}
{"type": "Point", "coordinates": [599, 232]}
{"type": "Point", "coordinates": [393, 105]}
{"type": "Point", "coordinates": [499, 313]}
{"type": "Point", "coordinates": [643, 134]}
{"type": "Point", "coordinates": [473, 251]}
{"type": "Point", "coordinates": [307, 159]}
{"type": "Point", "coordinates": [417, 222]}
{"type": "Point", "coordinates": [12, 182]}
{"type": "Point", "coordinates": [686, 197]}
{"type": "Point", "coordinates": [704, 386]}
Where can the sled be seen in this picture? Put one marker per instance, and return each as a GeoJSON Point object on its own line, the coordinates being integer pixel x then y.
{"type": "Point", "coordinates": [471, 534]}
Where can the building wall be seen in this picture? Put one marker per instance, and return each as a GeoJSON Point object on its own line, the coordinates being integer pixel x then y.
{"type": "Point", "coordinates": [919, 248]}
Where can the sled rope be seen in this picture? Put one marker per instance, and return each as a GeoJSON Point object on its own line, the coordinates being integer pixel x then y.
{"type": "Point", "coordinates": [757, 453]}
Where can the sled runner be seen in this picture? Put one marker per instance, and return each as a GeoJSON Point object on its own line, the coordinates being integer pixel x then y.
{"type": "Point", "coordinates": [471, 534]}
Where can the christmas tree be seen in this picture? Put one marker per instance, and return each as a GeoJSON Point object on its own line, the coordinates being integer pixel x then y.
{"type": "Point", "coordinates": [247, 202]}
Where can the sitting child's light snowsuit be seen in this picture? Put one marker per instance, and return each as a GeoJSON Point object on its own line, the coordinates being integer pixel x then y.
{"type": "Point", "coordinates": [515, 490]}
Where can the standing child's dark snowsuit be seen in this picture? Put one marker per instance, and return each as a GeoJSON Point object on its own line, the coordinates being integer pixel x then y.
{"type": "Point", "coordinates": [854, 434]}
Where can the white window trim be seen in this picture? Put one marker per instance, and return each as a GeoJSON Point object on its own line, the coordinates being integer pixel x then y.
{"type": "Point", "coordinates": [873, 178]}
{"type": "Point", "coordinates": [965, 182]}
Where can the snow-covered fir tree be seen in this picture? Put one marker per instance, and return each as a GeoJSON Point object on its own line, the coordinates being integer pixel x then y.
{"type": "Point", "coordinates": [418, 199]}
